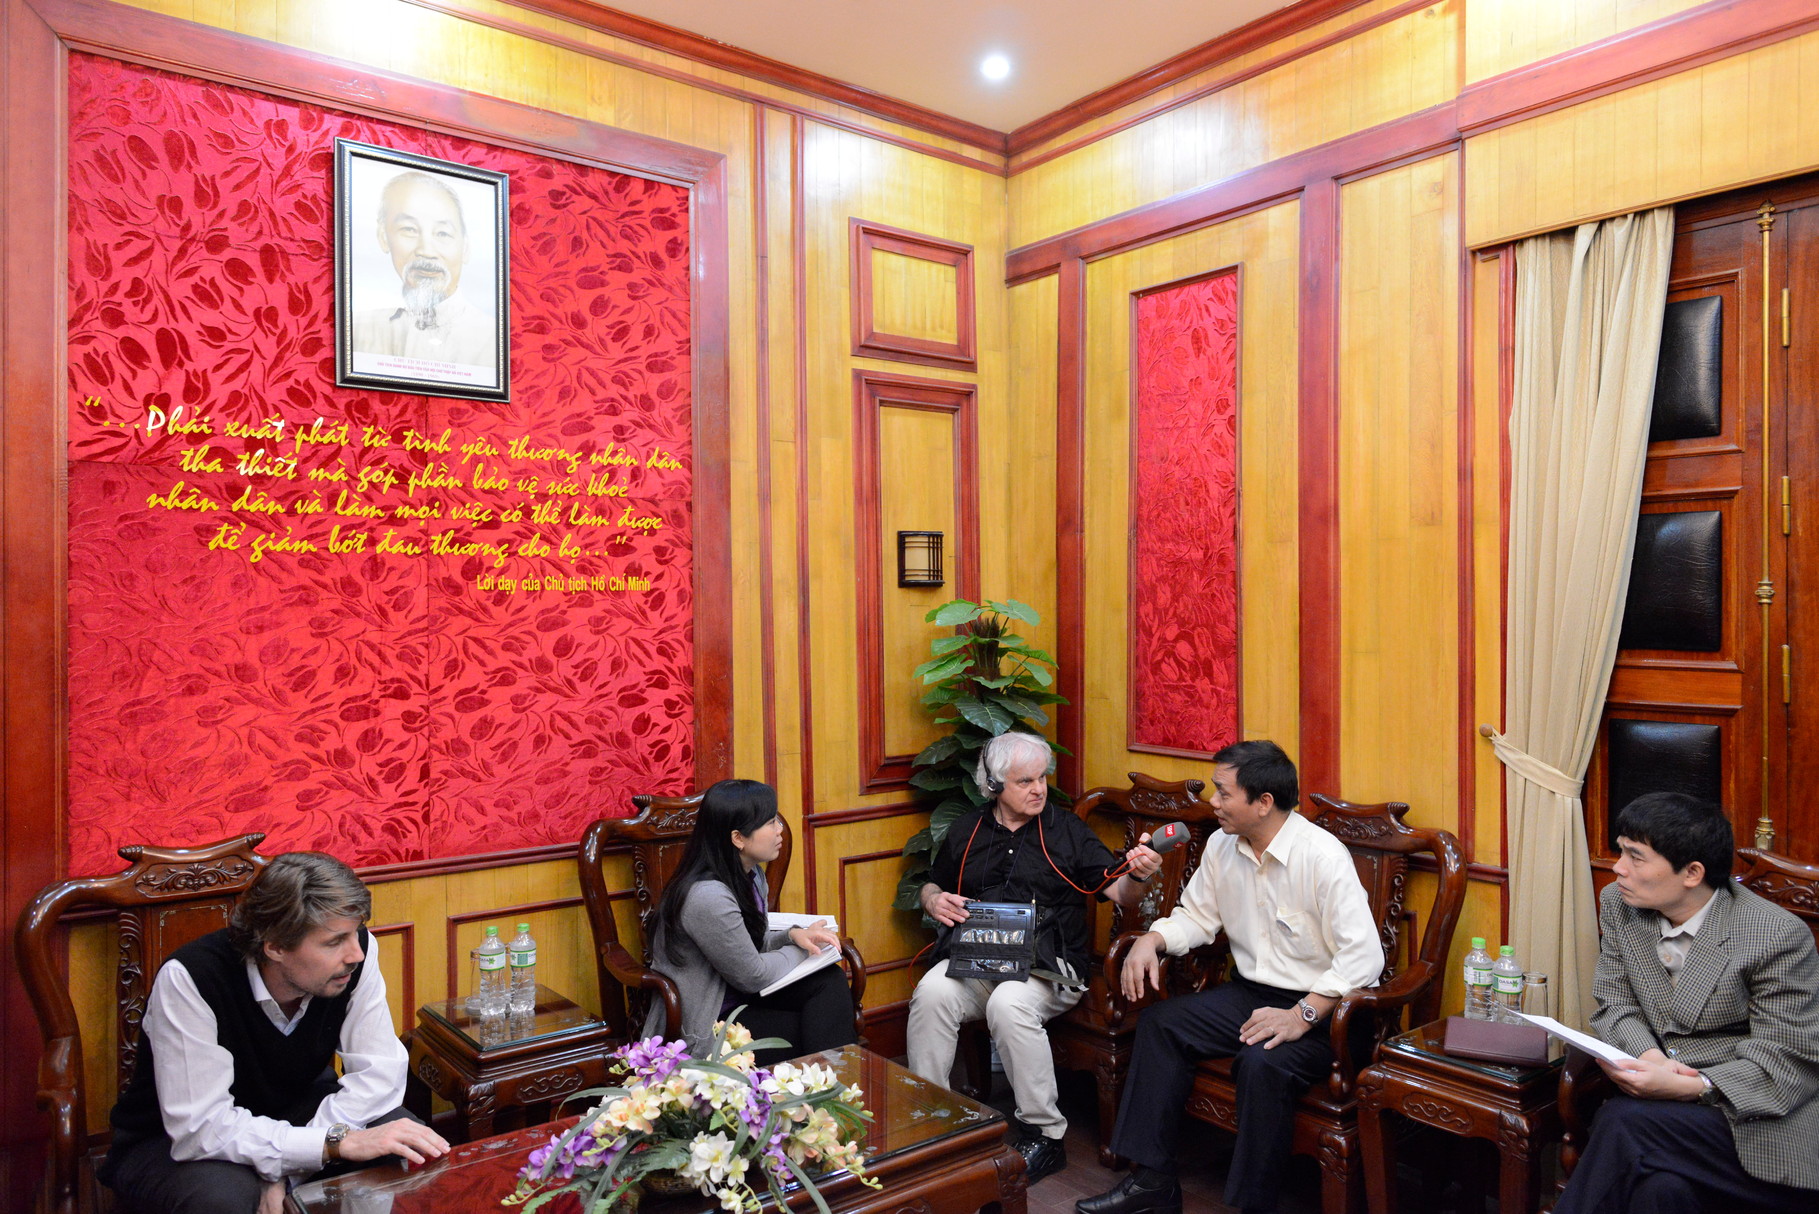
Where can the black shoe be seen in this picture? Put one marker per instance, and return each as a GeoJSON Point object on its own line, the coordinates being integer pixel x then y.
{"type": "Point", "coordinates": [1042, 1156]}
{"type": "Point", "coordinates": [1128, 1197]}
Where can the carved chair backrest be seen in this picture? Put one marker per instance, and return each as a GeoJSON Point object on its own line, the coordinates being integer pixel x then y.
{"type": "Point", "coordinates": [1381, 844]}
{"type": "Point", "coordinates": [1145, 807]}
{"type": "Point", "coordinates": [656, 837]}
{"type": "Point", "coordinates": [1789, 884]}
{"type": "Point", "coordinates": [166, 898]}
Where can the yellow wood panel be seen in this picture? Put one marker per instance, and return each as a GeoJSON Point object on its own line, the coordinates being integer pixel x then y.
{"type": "Point", "coordinates": [1376, 76]}
{"type": "Point", "coordinates": [1487, 558]}
{"type": "Point", "coordinates": [1017, 504]}
{"type": "Point", "coordinates": [1482, 915]}
{"type": "Point", "coordinates": [1501, 36]}
{"type": "Point", "coordinates": [912, 297]}
{"type": "Point", "coordinates": [1742, 119]}
{"type": "Point", "coordinates": [1265, 246]}
{"type": "Point", "coordinates": [1398, 489]}
{"type": "Point", "coordinates": [917, 477]}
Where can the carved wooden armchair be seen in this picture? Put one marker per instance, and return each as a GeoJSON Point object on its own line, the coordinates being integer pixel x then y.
{"type": "Point", "coordinates": [1326, 1121]}
{"type": "Point", "coordinates": [165, 899]}
{"type": "Point", "coordinates": [1789, 884]}
{"type": "Point", "coordinates": [656, 837]}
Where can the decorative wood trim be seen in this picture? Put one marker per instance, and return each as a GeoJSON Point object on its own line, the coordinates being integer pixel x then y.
{"type": "Point", "coordinates": [868, 342]}
{"type": "Point", "coordinates": [452, 954]}
{"type": "Point", "coordinates": [767, 567]}
{"type": "Point", "coordinates": [1070, 520]}
{"type": "Point", "coordinates": [712, 558]}
{"type": "Point", "coordinates": [870, 857]}
{"type": "Point", "coordinates": [1084, 111]}
{"type": "Point", "coordinates": [1417, 136]}
{"type": "Point", "coordinates": [886, 1028]}
{"type": "Point", "coordinates": [1671, 45]}
{"type": "Point", "coordinates": [1131, 587]}
{"type": "Point", "coordinates": [805, 659]}
{"type": "Point", "coordinates": [1318, 520]}
{"type": "Point", "coordinates": [406, 931]}
{"type": "Point", "coordinates": [1506, 401]}
{"type": "Point", "coordinates": [868, 813]}
{"type": "Point", "coordinates": [1171, 71]}
{"type": "Point", "coordinates": [408, 870]}
{"type": "Point", "coordinates": [662, 37]}
{"type": "Point", "coordinates": [706, 84]}
{"type": "Point", "coordinates": [1466, 726]}
{"type": "Point", "coordinates": [872, 392]}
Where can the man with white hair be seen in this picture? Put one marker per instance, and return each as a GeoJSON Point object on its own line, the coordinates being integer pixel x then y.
{"type": "Point", "coordinates": [424, 233]}
{"type": "Point", "coordinates": [1019, 848]}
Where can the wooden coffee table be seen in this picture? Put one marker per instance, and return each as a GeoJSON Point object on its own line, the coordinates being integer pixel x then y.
{"type": "Point", "coordinates": [935, 1151]}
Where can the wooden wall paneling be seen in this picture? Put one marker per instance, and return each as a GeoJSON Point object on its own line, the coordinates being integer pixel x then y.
{"type": "Point", "coordinates": [1483, 842]}
{"type": "Point", "coordinates": [1318, 711]}
{"type": "Point", "coordinates": [862, 881]}
{"type": "Point", "coordinates": [1399, 487]}
{"type": "Point", "coordinates": [1017, 505]}
{"type": "Point", "coordinates": [916, 468]}
{"type": "Point", "coordinates": [1379, 75]}
{"type": "Point", "coordinates": [1265, 245]}
{"type": "Point", "coordinates": [1070, 520]}
{"type": "Point", "coordinates": [398, 962]}
{"type": "Point", "coordinates": [912, 297]}
{"type": "Point", "coordinates": [1708, 128]}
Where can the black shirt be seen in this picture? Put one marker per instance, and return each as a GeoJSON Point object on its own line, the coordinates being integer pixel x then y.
{"type": "Point", "coordinates": [1015, 866]}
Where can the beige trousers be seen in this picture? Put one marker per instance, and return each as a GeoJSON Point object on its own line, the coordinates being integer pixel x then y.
{"type": "Point", "coordinates": [1017, 1013]}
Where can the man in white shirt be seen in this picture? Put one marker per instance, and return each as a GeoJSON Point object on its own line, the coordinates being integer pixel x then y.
{"type": "Point", "coordinates": [234, 1093]}
{"type": "Point", "coordinates": [1287, 896]}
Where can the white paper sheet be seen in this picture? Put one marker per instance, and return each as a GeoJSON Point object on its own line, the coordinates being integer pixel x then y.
{"type": "Point", "coordinates": [781, 920]}
{"type": "Point", "coordinates": [1584, 1041]}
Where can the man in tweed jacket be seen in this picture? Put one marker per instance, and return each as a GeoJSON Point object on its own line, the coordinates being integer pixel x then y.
{"type": "Point", "coordinates": [1716, 992]}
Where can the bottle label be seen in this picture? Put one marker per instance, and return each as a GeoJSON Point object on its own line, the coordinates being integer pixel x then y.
{"type": "Point", "coordinates": [1477, 976]}
{"type": "Point", "coordinates": [1509, 984]}
{"type": "Point", "coordinates": [492, 961]}
{"type": "Point", "coordinates": [523, 957]}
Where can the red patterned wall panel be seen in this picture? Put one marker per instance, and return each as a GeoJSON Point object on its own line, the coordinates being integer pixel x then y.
{"type": "Point", "coordinates": [388, 706]}
{"type": "Point", "coordinates": [1184, 601]}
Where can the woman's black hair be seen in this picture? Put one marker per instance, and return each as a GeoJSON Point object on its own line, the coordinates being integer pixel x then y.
{"type": "Point", "coordinates": [731, 805]}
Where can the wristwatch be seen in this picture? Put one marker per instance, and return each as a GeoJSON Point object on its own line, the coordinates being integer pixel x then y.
{"type": "Point", "coordinates": [1307, 1011]}
{"type": "Point", "coordinates": [331, 1142]}
{"type": "Point", "coordinates": [1710, 1094]}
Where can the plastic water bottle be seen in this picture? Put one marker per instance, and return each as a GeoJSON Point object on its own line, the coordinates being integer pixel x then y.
{"type": "Point", "coordinates": [523, 951]}
{"type": "Point", "coordinates": [1479, 995]}
{"type": "Point", "coordinates": [494, 983]}
{"type": "Point", "coordinates": [1506, 979]}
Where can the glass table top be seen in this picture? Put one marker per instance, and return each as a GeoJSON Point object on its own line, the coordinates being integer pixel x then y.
{"type": "Point", "coordinates": [555, 1014]}
{"type": "Point", "coordinates": [1429, 1041]}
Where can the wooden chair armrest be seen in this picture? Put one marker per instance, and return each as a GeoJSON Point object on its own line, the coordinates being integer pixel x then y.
{"type": "Point", "coordinates": [1398, 993]}
{"type": "Point", "coordinates": [1118, 1008]}
{"type": "Point", "coordinates": [855, 977]}
{"type": "Point", "coordinates": [633, 974]}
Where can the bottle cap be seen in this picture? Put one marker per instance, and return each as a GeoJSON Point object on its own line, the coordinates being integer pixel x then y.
{"type": "Point", "coordinates": [1508, 950]}
{"type": "Point", "coordinates": [492, 931]}
{"type": "Point", "coordinates": [1477, 944]}
{"type": "Point", "coordinates": [524, 928]}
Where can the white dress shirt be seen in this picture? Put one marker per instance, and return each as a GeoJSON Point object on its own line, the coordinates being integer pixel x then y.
{"type": "Point", "coordinates": [1677, 942]}
{"type": "Point", "coordinates": [194, 1072]}
{"type": "Point", "coordinates": [1297, 917]}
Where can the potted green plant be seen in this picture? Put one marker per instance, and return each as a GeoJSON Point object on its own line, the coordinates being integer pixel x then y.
{"type": "Point", "coordinates": [983, 681]}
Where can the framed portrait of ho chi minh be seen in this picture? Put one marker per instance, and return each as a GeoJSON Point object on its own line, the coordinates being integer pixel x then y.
{"type": "Point", "coordinates": [421, 272]}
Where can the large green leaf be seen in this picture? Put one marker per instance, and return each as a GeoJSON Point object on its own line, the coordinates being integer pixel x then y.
{"type": "Point", "coordinates": [1040, 675]}
{"type": "Point", "coordinates": [936, 779]}
{"type": "Point", "coordinates": [987, 716]}
{"type": "Point", "coordinates": [955, 611]}
{"type": "Point", "coordinates": [997, 684]}
{"type": "Point", "coordinates": [936, 669]}
{"type": "Point", "coordinates": [941, 645]}
{"type": "Point", "coordinates": [1024, 708]}
{"type": "Point", "coordinates": [920, 843]}
{"type": "Point", "coordinates": [1016, 610]}
{"type": "Point", "coordinates": [940, 750]}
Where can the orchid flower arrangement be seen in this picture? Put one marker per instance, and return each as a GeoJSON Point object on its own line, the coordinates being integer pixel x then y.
{"type": "Point", "coordinates": [723, 1124]}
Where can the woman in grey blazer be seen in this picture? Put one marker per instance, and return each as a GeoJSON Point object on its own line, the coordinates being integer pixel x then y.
{"type": "Point", "coordinates": [709, 935]}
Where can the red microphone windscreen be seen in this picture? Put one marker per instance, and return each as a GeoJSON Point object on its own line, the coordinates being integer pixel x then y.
{"type": "Point", "coordinates": [1167, 837]}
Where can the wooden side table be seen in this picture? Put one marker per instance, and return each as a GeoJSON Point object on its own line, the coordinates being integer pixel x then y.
{"type": "Point", "coordinates": [1511, 1106]}
{"type": "Point", "coordinates": [507, 1070]}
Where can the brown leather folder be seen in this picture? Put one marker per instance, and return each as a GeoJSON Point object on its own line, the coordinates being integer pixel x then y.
{"type": "Point", "coordinates": [1494, 1041]}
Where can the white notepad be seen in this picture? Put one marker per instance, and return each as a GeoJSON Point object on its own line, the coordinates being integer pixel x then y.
{"type": "Point", "coordinates": [782, 920]}
{"type": "Point", "coordinates": [1584, 1041]}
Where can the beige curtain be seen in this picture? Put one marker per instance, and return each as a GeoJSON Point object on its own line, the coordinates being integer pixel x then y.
{"type": "Point", "coordinates": [1589, 305]}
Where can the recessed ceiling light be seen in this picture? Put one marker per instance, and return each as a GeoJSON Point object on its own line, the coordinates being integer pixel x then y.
{"type": "Point", "coordinates": [995, 67]}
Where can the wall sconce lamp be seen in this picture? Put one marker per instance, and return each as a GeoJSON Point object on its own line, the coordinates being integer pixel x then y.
{"type": "Point", "coordinates": [919, 558]}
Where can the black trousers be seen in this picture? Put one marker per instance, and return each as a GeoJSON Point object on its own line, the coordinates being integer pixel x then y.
{"type": "Point", "coordinates": [812, 1014]}
{"type": "Point", "coordinates": [1662, 1156]}
{"type": "Point", "coordinates": [1175, 1034]}
{"type": "Point", "coordinates": [151, 1182]}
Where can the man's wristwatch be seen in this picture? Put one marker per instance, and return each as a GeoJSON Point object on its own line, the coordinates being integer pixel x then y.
{"type": "Point", "coordinates": [1710, 1094]}
{"type": "Point", "coordinates": [331, 1142]}
{"type": "Point", "coordinates": [1307, 1011]}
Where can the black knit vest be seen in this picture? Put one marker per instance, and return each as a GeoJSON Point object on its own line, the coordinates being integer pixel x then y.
{"type": "Point", "coordinates": [273, 1074]}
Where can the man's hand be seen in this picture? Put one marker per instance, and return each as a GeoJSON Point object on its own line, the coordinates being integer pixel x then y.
{"type": "Point", "coordinates": [813, 937]}
{"type": "Point", "coordinates": [1141, 965]}
{"type": "Point", "coordinates": [1142, 861]}
{"type": "Point", "coordinates": [1655, 1077]}
{"type": "Point", "coordinates": [944, 908]}
{"type": "Point", "coordinates": [271, 1198]}
{"type": "Point", "coordinates": [410, 1139]}
{"type": "Point", "coordinates": [1271, 1026]}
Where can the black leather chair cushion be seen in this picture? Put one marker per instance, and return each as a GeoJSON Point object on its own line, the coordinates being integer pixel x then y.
{"type": "Point", "coordinates": [1676, 598]}
{"type": "Point", "coordinates": [1660, 756]}
{"type": "Point", "coordinates": [1689, 373]}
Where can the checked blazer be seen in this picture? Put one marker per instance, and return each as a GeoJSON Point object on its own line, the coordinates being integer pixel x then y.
{"type": "Point", "coordinates": [1745, 1012]}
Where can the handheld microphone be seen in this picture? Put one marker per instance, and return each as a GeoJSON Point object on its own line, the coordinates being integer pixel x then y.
{"type": "Point", "coordinates": [1165, 840]}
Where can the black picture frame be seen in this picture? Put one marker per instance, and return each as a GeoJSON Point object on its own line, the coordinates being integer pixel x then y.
{"type": "Point", "coordinates": [422, 273]}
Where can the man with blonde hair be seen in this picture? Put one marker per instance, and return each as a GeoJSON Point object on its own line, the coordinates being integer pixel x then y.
{"type": "Point", "coordinates": [234, 1093]}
